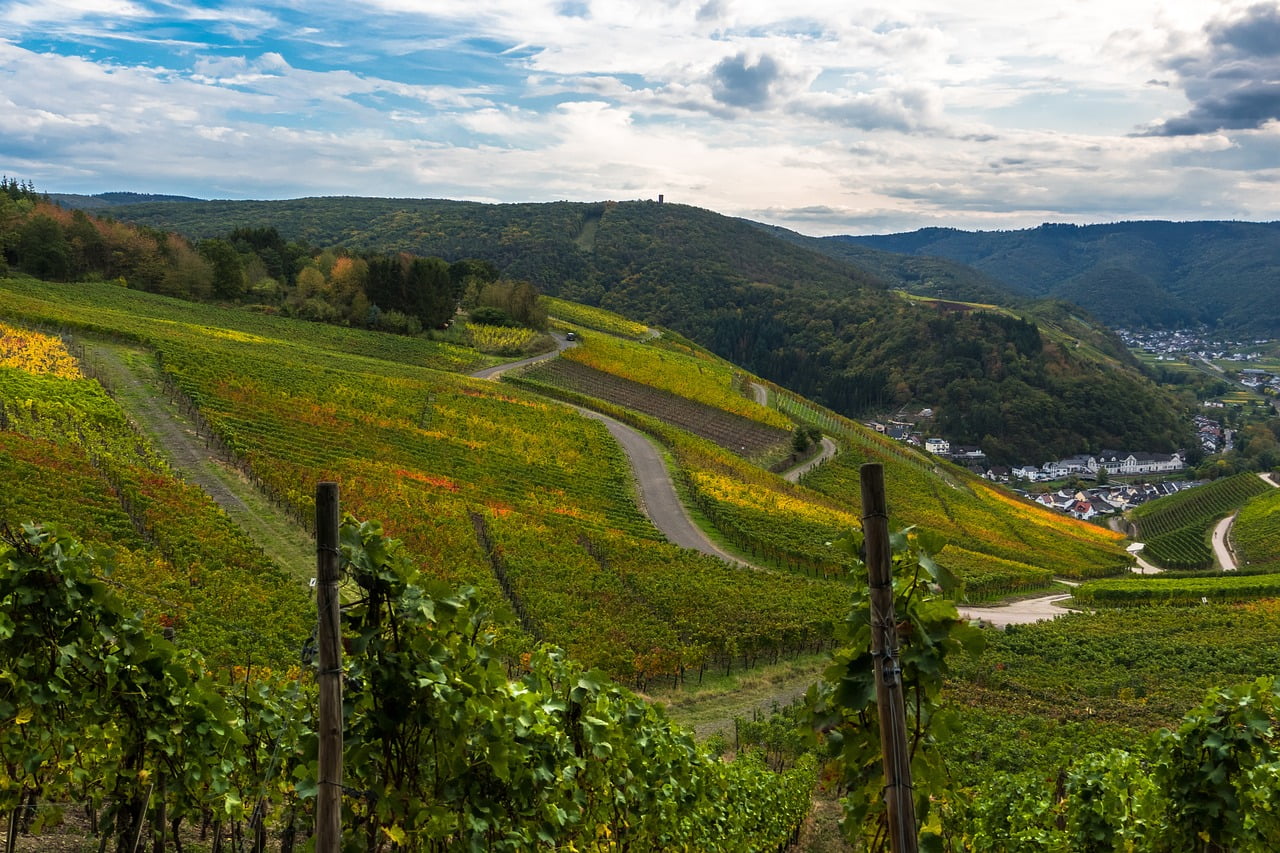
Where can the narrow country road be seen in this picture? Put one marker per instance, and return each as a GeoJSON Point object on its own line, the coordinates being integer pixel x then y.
{"type": "Point", "coordinates": [658, 498]}
{"type": "Point", "coordinates": [497, 370]}
{"type": "Point", "coordinates": [829, 449]}
{"type": "Point", "coordinates": [1221, 550]}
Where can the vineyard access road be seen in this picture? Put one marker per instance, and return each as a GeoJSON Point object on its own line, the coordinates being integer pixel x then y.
{"type": "Point", "coordinates": [1221, 549]}
{"type": "Point", "coordinates": [135, 384]}
{"type": "Point", "coordinates": [829, 448]}
{"type": "Point", "coordinates": [658, 498]}
{"type": "Point", "coordinates": [1222, 532]}
{"type": "Point", "coordinates": [1019, 612]}
{"type": "Point", "coordinates": [498, 369]}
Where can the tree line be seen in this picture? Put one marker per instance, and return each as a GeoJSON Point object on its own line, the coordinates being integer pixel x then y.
{"type": "Point", "coordinates": [396, 292]}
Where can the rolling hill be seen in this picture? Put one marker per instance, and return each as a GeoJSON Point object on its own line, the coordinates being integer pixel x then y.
{"type": "Point", "coordinates": [500, 488]}
{"type": "Point", "coordinates": [829, 328]}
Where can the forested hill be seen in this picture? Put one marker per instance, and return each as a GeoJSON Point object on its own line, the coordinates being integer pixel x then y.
{"type": "Point", "coordinates": [102, 201]}
{"type": "Point", "coordinates": [825, 327]}
{"type": "Point", "coordinates": [922, 275]}
{"type": "Point", "coordinates": [1223, 274]}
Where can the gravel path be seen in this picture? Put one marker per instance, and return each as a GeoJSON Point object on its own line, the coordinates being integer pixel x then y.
{"type": "Point", "coordinates": [1019, 612]}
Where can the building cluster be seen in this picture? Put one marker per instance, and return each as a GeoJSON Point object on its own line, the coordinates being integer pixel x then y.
{"type": "Point", "coordinates": [1090, 465]}
{"type": "Point", "coordinates": [1213, 438]}
{"type": "Point", "coordinates": [1106, 500]}
{"type": "Point", "coordinates": [1109, 462]}
{"type": "Point", "coordinates": [1262, 381]}
{"type": "Point", "coordinates": [1175, 344]}
{"type": "Point", "coordinates": [1080, 503]}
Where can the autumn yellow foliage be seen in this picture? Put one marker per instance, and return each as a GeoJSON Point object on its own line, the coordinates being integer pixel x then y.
{"type": "Point", "coordinates": [36, 353]}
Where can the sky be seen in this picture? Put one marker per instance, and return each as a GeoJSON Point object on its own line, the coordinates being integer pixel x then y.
{"type": "Point", "coordinates": [823, 117]}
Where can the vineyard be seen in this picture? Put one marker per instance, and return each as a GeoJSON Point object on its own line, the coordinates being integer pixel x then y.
{"type": "Point", "coordinates": [988, 578]}
{"type": "Point", "coordinates": [733, 432]}
{"type": "Point", "coordinates": [500, 340]}
{"type": "Point", "coordinates": [736, 495]}
{"type": "Point", "coordinates": [677, 368]}
{"type": "Point", "coordinates": [1256, 531]}
{"type": "Point", "coordinates": [96, 710]}
{"type": "Point", "coordinates": [174, 553]}
{"type": "Point", "coordinates": [594, 318]}
{"type": "Point", "coordinates": [1176, 528]}
{"type": "Point", "coordinates": [518, 534]}
{"type": "Point", "coordinates": [1114, 673]}
{"type": "Point", "coordinates": [976, 516]}
{"type": "Point", "coordinates": [430, 451]}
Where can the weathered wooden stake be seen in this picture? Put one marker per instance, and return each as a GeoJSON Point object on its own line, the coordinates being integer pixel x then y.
{"type": "Point", "coordinates": [884, 650]}
{"type": "Point", "coordinates": [328, 639]}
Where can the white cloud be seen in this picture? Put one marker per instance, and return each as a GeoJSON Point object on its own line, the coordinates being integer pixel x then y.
{"type": "Point", "coordinates": [43, 12]}
{"type": "Point", "coordinates": [821, 114]}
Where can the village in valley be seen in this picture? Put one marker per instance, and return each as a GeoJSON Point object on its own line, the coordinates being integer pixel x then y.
{"type": "Point", "coordinates": [1138, 476]}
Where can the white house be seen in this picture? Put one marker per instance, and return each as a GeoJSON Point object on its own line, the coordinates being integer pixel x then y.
{"type": "Point", "coordinates": [937, 445]}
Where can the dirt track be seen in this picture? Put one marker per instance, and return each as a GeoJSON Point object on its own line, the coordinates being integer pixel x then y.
{"type": "Point", "coordinates": [135, 385]}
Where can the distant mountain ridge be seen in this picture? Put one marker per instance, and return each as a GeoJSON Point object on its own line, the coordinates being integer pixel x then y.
{"type": "Point", "coordinates": [101, 201]}
{"type": "Point", "coordinates": [1225, 275]}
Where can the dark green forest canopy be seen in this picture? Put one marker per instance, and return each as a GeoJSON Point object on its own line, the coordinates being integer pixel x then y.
{"type": "Point", "coordinates": [823, 326]}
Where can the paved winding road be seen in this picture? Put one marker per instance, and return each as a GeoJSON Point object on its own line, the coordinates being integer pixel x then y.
{"type": "Point", "coordinates": [658, 498]}
{"type": "Point", "coordinates": [497, 370]}
{"type": "Point", "coordinates": [1221, 533]}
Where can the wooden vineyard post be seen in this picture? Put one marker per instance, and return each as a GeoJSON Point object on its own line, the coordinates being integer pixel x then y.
{"type": "Point", "coordinates": [884, 651]}
{"type": "Point", "coordinates": [329, 641]}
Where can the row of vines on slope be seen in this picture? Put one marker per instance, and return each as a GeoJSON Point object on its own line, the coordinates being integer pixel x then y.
{"type": "Point", "coordinates": [428, 451]}
{"type": "Point", "coordinates": [96, 710]}
{"type": "Point", "coordinates": [178, 556]}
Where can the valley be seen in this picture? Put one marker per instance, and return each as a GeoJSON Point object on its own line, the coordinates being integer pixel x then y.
{"type": "Point", "coordinates": [679, 526]}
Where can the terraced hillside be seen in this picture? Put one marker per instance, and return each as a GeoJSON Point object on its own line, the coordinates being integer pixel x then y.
{"type": "Point", "coordinates": [1176, 528]}
{"type": "Point", "coordinates": [1256, 533]}
{"type": "Point", "coordinates": [488, 485]}
{"type": "Point", "coordinates": [1002, 544]}
{"type": "Point", "coordinates": [69, 455]}
{"type": "Point", "coordinates": [533, 505]}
